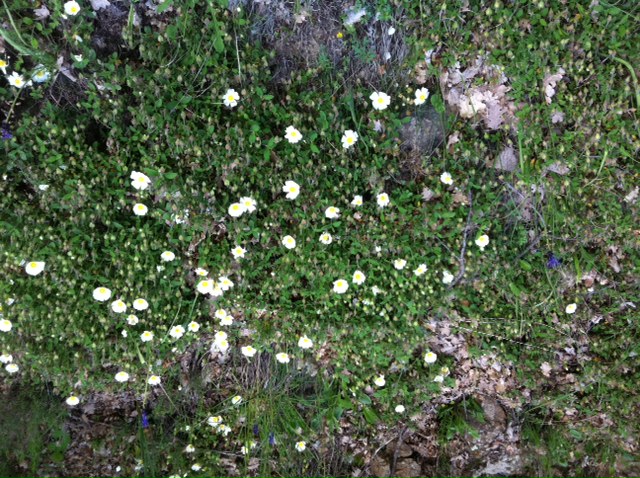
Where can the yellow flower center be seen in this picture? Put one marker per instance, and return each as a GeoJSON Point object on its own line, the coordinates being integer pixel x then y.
{"type": "Point", "coordinates": [350, 140]}
{"type": "Point", "coordinates": [380, 100]}
{"type": "Point", "coordinates": [74, 10]}
{"type": "Point", "coordinates": [33, 265]}
{"type": "Point", "coordinates": [423, 97]}
{"type": "Point", "coordinates": [18, 82]}
{"type": "Point", "coordinates": [102, 290]}
{"type": "Point", "coordinates": [230, 98]}
{"type": "Point", "coordinates": [3, 63]}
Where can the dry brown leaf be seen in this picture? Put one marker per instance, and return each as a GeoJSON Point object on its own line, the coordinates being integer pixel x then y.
{"type": "Point", "coordinates": [549, 84]}
{"type": "Point", "coordinates": [41, 13]}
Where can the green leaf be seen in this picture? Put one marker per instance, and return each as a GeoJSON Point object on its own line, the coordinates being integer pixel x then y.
{"type": "Point", "coordinates": [370, 416]}
{"type": "Point", "coordinates": [170, 175]}
{"type": "Point", "coordinates": [164, 5]}
{"type": "Point", "coordinates": [438, 103]}
{"type": "Point", "coordinates": [525, 266]}
{"type": "Point", "coordinates": [218, 44]}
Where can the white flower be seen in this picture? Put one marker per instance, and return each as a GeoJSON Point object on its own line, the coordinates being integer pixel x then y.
{"type": "Point", "coordinates": [221, 345]}
{"type": "Point", "coordinates": [340, 286]}
{"type": "Point", "coordinates": [447, 277]}
{"type": "Point", "coordinates": [482, 242]}
{"type": "Point", "coordinates": [430, 357]}
{"type": "Point", "coordinates": [358, 277]}
{"type": "Point", "coordinates": [146, 336]}
{"type": "Point", "coordinates": [376, 290]}
{"type": "Point", "coordinates": [101, 294]}
{"type": "Point", "coordinates": [249, 204]}
{"type": "Point", "coordinates": [132, 319]}
{"type": "Point", "coordinates": [248, 351]}
{"type": "Point", "coordinates": [400, 409]}
{"type": "Point", "coordinates": [71, 8]}
{"type": "Point", "coordinates": [305, 342]}
{"type": "Point", "coordinates": [72, 401]}
{"type": "Point", "coordinates": [216, 291]}
{"type": "Point", "coordinates": [202, 272]}
{"type": "Point", "coordinates": [190, 449]}
{"type": "Point", "coordinates": [118, 306]}
{"type": "Point", "coordinates": [283, 357]}
{"type": "Point", "coordinates": [326, 238]}
{"type": "Point", "coordinates": [205, 286]}
{"type": "Point", "coordinates": [571, 308]}
{"type": "Point", "coordinates": [40, 74]}
{"type": "Point", "coordinates": [77, 38]}
{"type": "Point", "coordinates": [438, 379]}
{"type": "Point", "coordinates": [176, 331]}
{"type": "Point", "coordinates": [236, 209]}
{"type": "Point", "coordinates": [140, 304]}
{"type": "Point", "coordinates": [77, 58]}
{"type": "Point", "coordinates": [17, 80]}
{"type": "Point", "coordinates": [224, 430]}
{"type": "Point", "coordinates": [225, 283]}
{"type": "Point", "coordinates": [43, 187]}
{"type": "Point", "coordinates": [236, 400]}
{"type": "Point", "coordinates": [444, 371]}
{"type": "Point", "coordinates": [446, 178]}
{"type": "Point", "coordinates": [288, 242]}
{"type": "Point", "coordinates": [12, 368]}
{"type": "Point", "coordinates": [214, 422]}
{"type": "Point", "coordinates": [122, 377]}
{"type": "Point", "coordinates": [221, 314]}
{"type": "Point", "coordinates": [139, 181]}
{"type": "Point", "coordinates": [382, 199]}
{"type": "Point", "coordinates": [399, 264]}
{"type": "Point", "coordinates": [196, 467]}
{"type": "Point", "coordinates": [193, 326]}
{"type": "Point", "coordinates": [6, 358]}
{"type": "Point", "coordinates": [154, 380]}
{"type": "Point", "coordinates": [238, 252]}
{"type": "Point", "coordinates": [349, 138]}
{"type": "Point", "coordinates": [34, 268]}
{"type": "Point", "coordinates": [357, 201]}
{"type": "Point", "coordinates": [292, 189]}
{"type": "Point", "coordinates": [220, 336]}
{"type": "Point", "coordinates": [380, 100]}
{"type": "Point", "coordinates": [421, 96]}
{"type": "Point", "coordinates": [140, 209]}
{"type": "Point", "coordinates": [228, 320]}
{"type": "Point", "coordinates": [5, 325]}
{"type": "Point", "coordinates": [167, 256]}
{"type": "Point", "coordinates": [292, 134]}
{"type": "Point", "coordinates": [3, 65]}
{"type": "Point", "coordinates": [332, 212]}
{"type": "Point", "coordinates": [301, 446]}
{"type": "Point", "coordinates": [231, 98]}
{"type": "Point", "coordinates": [421, 269]}
{"type": "Point", "coordinates": [380, 381]}
{"type": "Point", "coordinates": [125, 334]}
{"type": "Point", "coordinates": [391, 31]}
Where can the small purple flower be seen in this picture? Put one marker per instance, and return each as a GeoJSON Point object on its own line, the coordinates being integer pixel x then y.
{"type": "Point", "coordinates": [272, 439]}
{"type": "Point", "coordinates": [256, 430]}
{"type": "Point", "coordinates": [553, 262]}
{"type": "Point", "coordinates": [145, 420]}
{"type": "Point", "coordinates": [5, 133]}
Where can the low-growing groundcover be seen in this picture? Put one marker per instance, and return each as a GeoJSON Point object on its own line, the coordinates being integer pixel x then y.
{"type": "Point", "coordinates": [319, 238]}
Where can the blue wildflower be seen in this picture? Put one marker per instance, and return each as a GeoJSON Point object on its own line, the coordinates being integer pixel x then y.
{"type": "Point", "coordinates": [553, 262]}
{"type": "Point", "coordinates": [145, 420]}
{"type": "Point", "coordinates": [5, 133]}
{"type": "Point", "coordinates": [272, 439]}
{"type": "Point", "coordinates": [256, 430]}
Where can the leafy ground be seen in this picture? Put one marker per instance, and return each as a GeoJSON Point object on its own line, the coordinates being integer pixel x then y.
{"type": "Point", "coordinates": [506, 344]}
